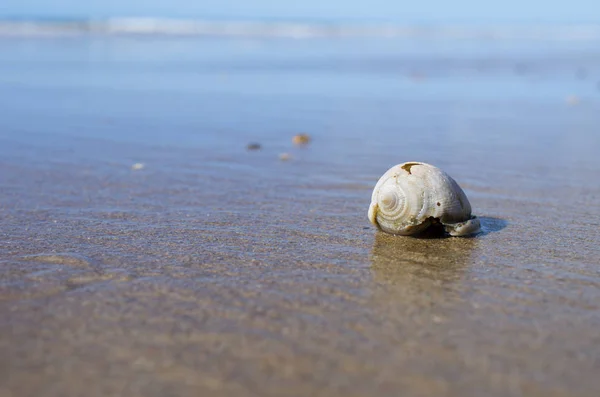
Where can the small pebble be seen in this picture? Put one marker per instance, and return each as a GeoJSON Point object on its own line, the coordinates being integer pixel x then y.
{"type": "Point", "coordinates": [437, 319]}
{"type": "Point", "coordinates": [138, 166]}
{"type": "Point", "coordinates": [254, 146]}
{"type": "Point", "coordinates": [301, 139]}
{"type": "Point", "coordinates": [285, 157]}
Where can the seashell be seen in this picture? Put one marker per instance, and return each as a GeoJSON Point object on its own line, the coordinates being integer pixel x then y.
{"type": "Point", "coordinates": [301, 139]}
{"type": "Point", "coordinates": [285, 157]}
{"type": "Point", "coordinates": [411, 197]}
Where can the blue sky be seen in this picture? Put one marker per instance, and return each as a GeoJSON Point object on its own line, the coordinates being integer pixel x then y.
{"type": "Point", "coordinates": [395, 10]}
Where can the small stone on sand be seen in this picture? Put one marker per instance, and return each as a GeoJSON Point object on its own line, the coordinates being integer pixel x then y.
{"type": "Point", "coordinates": [285, 157]}
{"type": "Point", "coordinates": [253, 146]}
{"type": "Point", "coordinates": [138, 166]}
{"type": "Point", "coordinates": [301, 139]}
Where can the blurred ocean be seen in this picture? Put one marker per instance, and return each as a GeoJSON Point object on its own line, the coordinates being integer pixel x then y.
{"type": "Point", "coordinates": [195, 78]}
{"type": "Point", "coordinates": [291, 29]}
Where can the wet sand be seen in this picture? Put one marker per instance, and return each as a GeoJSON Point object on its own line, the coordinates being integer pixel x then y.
{"type": "Point", "coordinates": [214, 270]}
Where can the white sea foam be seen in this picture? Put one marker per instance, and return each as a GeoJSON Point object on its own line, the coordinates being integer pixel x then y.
{"type": "Point", "coordinates": [296, 30]}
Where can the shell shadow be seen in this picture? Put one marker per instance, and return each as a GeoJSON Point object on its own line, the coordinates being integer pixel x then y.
{"type": "Point", "coordinates": [401, 259]}
{"type": "Point", "coordinates": [488, 225]}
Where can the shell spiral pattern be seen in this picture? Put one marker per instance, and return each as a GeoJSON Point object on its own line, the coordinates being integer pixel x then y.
{"type": "Point", "coordinates": [412, 196]}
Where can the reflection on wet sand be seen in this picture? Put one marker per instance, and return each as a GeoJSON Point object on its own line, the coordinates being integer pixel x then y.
{"type": "Point", "coordinates": [399, 260]}
{"type": "Point", "coordinates": [421, 281]}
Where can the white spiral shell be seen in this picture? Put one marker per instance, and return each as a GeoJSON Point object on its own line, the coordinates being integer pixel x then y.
{"type": "Point", "coordinates": [412, 196]}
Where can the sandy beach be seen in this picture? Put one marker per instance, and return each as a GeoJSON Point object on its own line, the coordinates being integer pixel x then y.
{"type": "Point", "coordinates": [210, 269]}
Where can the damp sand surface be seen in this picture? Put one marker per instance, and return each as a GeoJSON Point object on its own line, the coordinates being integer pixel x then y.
{"type": "Point", "coordinates": [145, 251]}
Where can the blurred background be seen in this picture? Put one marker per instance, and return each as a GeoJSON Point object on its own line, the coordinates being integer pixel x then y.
{"type": "Point", "coordinates": [246, 67]}
{"type": "Point", "coordinates": [383, 80]}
